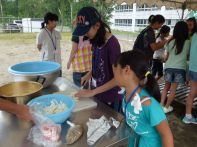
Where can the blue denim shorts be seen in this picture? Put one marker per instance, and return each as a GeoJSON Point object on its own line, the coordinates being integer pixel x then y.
{"type": "Point", "coordinates": [193, 76]}
{"type": "Point", "coordinates": [175, 75]}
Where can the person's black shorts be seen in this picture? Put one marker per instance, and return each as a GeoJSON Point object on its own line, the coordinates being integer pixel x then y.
{"type": "Point", "coordinates": [157, 67]}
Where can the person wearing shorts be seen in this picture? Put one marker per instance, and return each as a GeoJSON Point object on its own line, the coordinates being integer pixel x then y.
{"type": "Point", "coordinates": [158, 56]}
{"type": "Point", "coordinates": [175, 75]}
{"type": "Point", "coordinates": [193, 82]}
{"type": "Point", "coordinates": [175, 68]}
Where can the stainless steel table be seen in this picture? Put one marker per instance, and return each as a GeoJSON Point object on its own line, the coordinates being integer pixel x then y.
{"type": "Point", "coordinates": [14, 132]}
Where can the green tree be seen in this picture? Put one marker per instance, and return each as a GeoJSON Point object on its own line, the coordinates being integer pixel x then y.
{"type": "Point", "coordinates": [104, 8]}
{"type": "Point", "coordinates": [9, 8]}
{"type": "Point", "coordinates": [65, 9]}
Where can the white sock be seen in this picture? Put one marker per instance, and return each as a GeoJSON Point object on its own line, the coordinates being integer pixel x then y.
{"type": "Point", "coordinates": [189, 116]}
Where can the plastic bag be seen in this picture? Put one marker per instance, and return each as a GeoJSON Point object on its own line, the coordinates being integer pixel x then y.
{"type": "Point", "coordinates": [98, 127]}
{"type": "Point", "coordinates": [45, 132]}
{"type": "Point", "coordinates": [74, 133]}
{"type": "Point", "coordinates": [64, 84]}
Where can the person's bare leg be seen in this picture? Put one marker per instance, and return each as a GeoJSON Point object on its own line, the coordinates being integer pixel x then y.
{"type": "Point", "coordinates": [172, 94]}
{"type": "Point", "coordinates": [191, 96]}
{"type": "Point", "coordinates": [165, 92]}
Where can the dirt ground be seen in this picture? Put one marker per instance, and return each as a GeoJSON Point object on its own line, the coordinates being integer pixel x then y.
{"type": "Point", "coordinates": [16, 48]}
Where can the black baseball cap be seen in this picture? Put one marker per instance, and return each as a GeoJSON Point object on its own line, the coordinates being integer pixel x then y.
{"type": "Point", "coordinates": [86, 17]}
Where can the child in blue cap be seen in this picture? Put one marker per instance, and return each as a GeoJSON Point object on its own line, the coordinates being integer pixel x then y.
{"type": "Point", "coordinates": [106, 50]}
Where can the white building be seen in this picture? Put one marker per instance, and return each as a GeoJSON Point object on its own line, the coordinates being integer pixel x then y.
{"type": "Point", "coordinates": [135, 18]}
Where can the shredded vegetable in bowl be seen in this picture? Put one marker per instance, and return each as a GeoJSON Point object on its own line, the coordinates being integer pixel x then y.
{"type": "Point", "coordinates": [55, 107]}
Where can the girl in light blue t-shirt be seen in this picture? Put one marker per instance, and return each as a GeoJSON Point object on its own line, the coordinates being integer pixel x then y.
{"type": "Point", "coordinates": [142, 111]}
{"type": "Point", "coordinates": [189, 118]}
{"type": "Point", "coordinates": [177, 50]}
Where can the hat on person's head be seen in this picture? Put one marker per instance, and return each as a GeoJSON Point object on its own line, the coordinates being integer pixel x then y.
{"type": "Point", "coordinates": [86, 17]}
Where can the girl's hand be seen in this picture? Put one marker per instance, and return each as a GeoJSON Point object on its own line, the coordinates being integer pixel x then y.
{"type": "Point", "coordinates": [85, 93]}
{"type": "Point", "coordinates": [85, 79]}
{"type": "Point", "coordinates": [23, 113]}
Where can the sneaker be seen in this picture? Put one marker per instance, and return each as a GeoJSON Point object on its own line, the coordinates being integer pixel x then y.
{"type": "Point", "coordinates": [168, 110]}
{"type": "Point", "coordinates": [187, 120]}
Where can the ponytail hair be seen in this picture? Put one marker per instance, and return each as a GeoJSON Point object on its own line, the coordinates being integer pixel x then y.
{"type": "Point", "coordinates": [151, 18]}
{"type": "Point", "coordinates": [49, 17]}
{"type": "Point", "coordinates": [156, 18]}
{"type": "Point", "coordinates": [43, 25]}
{"type": "Point", "coordinates": [140, 68]}
{"type": "Point", "coordinates": [152, 87]}
{"type": "Point", "coordinates": [179, 36]}
{"type": "Point", "coordinates": [164, 30]}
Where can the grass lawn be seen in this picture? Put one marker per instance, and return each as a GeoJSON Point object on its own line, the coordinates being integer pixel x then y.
{"type": "Point", "coordinates": [27, 37]}
{"type": "Point", "coordinates": [126, 33]}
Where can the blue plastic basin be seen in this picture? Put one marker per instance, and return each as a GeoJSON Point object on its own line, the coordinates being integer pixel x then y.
{"type": "Point", "coordinates": [46, 101]}
{"type": "Point", "coordinates": [34, 68]}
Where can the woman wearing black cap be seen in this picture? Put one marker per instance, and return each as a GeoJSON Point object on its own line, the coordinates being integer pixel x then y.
{"type": "Point", "coordinates": [146, 41]}
{"type": "Point", "coordinates": [48, 40]}
{"type": "Point", "coordinates": [106, 50]}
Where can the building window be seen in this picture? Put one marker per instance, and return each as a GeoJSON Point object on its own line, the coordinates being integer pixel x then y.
{"type": "Point", "coordinates": [171, 22]}
{"type": "Point", "coordinates": [145, 7]}
{"type": "Point", "coordinates": [168, 22]}
{"type": "Point", "coordinates": [124, 8]}
{"type": "Point", "coordinates": [123, 22]}
{"type": "Point", "coordinates": [154, 7]}
{"type": "Point", "coordinates": [141, 22]}
{"type": "Point", "coordinates": [174, 21]}
{"type": "Point", "coordinates": [170, 8]}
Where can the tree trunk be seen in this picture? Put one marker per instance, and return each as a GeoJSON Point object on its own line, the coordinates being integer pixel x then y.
{"type": "Point", "coordinates": [1, 7]}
